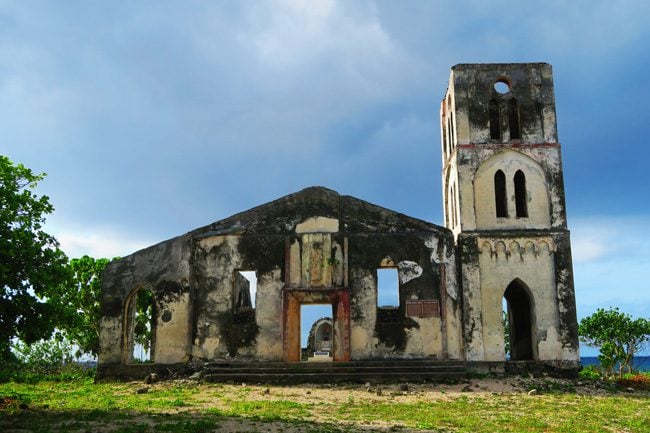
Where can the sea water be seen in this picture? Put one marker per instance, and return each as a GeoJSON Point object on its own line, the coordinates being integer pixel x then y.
{"type": "Point", "coordinates": [641, 363]}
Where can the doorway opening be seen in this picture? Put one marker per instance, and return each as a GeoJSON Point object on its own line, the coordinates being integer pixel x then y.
{"type": "Point", "coordinates": [519, 316]}
{"type": "Point", "coordinates": [334, 303]}
{"type": "Point", "coordinates": [316, 333]}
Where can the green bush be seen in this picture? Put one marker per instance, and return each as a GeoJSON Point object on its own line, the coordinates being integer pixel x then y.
{"type": "Point", "coordinates": [44, 360]}
{"type": "Point", "coordinates": [590, 372]}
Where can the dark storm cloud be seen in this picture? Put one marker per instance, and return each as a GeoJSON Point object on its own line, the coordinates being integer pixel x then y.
{"type": "Point", "coordinates": [152, 118]}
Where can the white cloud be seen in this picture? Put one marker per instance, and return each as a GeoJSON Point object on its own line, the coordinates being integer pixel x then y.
{"type": "Point", "coordinates": [607, 238]}
{"type": "Point", "coordinates": [611, 263]}
{"type": "Point", "coordinates": [76, 242]}
{"type": "Point", "coordinates": [586, 248]}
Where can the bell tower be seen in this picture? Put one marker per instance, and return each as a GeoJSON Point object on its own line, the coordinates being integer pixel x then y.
{"type": "Point", "coordinates": [503, 198]}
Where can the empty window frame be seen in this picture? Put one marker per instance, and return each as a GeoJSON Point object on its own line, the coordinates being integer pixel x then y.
{"type": "Point", "coordinates": [513, 119]}
{"type": "Point", "coordinates": [495, 120]}
{"type": "Point", "coordinates": [520, 194]}
{"type": "Point", "coordinates": [142, 326]}
{"type": "Point", "coordinates": [387, 287]}
{"type": "Point", "coordinates": [245, 289]}
{"type": "Point", "coordinates": [500, 198]}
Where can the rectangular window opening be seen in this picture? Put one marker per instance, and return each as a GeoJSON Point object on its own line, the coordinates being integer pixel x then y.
{"type": "Point", "coordinates": [245, 289]}
{"type": "Point", "coordinates": [387, 287]}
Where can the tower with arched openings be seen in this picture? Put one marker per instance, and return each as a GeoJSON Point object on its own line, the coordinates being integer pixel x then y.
{"type": "Point", "coordinates": [503, 197]}
{"type": "Point", "coordinates": [235, 289]}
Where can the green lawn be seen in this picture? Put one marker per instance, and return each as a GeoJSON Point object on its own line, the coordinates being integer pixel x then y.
{"type": "Point", "coordinates": [82, 406]}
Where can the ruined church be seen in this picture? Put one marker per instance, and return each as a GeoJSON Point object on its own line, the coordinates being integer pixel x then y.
{"type": "Point", "coordinates": [504, 247]}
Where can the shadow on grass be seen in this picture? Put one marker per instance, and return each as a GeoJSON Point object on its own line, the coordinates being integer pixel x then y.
{"type": "Point", "coordinates": [125, 421]}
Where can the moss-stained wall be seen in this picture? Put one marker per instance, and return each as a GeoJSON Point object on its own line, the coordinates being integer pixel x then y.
{"type": "Point", "coordinates": [165, 270]}
{"type": "Point", "coordinates": [314, 240]}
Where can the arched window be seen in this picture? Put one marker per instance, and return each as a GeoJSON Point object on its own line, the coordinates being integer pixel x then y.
{"type": "Point", "coordinates": [500, 194]}
{"type": "Point", "coordinates": [495, 122]}
{"type": "Point", "coordinates": [140, 327]}
{"type": "Point", "coordinates": [445, 145]}
{"type": "Point", "coordinates": [513, 119]}
{"type": "Point", "coordinates": [520, 194]}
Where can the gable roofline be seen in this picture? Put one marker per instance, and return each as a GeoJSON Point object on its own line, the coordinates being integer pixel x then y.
{"type": "Point", "coordinates": [280, 216]}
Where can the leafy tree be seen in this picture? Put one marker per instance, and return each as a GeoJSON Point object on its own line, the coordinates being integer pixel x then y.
{"type": "Point", "coordinates": [79, 297]}
{"type": "Point", "coordinates": [31, 262]}
{"type": "Point", "coordinates": [618, 336]}
{"type": "Point", "coordinates": [143, 329]}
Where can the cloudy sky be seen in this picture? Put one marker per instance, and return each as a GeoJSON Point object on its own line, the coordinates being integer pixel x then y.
{"type": "Point", "coordinates": [152, 118]}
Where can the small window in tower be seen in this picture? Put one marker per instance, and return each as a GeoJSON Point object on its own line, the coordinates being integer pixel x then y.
{"type": "Point", "coordinates": [495, 125]}
{"type": "Point", "coordinates": [502, 85]}
{"type": "Point", "coordinates": [513, 119]}
{"type": "Point", "coordinates": [520, 194]}
{"type": "Point", "coordinates": [500, 194]}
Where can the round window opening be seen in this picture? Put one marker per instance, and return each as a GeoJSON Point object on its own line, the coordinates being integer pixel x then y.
{"type": "Point", "coordinates": [502, 86]}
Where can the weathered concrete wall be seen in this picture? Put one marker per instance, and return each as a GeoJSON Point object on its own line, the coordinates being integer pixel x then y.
{"type": "Point", "coordinates": [530, 261]}
{"type": "Point", "coordinates": [390, 332]}
{"type": "Point", "coordinates": [495, 250]}
{"type": "Point", "coordinates": [318, 241]}
{"type": "Point", "coordinates": [490, 264]}
{"type": "Point", "coordinates": [164, 269]}
{"type": "Point", "coordinates": [531, 84]}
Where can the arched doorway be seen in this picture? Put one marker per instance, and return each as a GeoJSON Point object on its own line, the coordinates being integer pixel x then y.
{"type": "Point", "coordinates": [320, 340]}
{"type": "Point", "coordinates": [520, 321]}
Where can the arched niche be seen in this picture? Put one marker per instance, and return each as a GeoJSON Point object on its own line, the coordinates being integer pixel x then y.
{"type": "Point", "coordinates": [536, 193]}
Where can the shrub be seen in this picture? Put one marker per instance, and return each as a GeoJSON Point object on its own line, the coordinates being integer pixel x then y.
{"type": "Point", "coordinates": [636, 381]}
{"type": "Point", "coordinates": [44, 356]}
{"type": "Point", "coordinates": [590, 372]}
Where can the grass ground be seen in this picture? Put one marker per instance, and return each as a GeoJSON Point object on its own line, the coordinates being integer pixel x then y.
{"type": "Point", "coordinates": [493, 405]}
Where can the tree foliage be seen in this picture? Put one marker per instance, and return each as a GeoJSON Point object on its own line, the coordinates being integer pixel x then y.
{"type": "Point", "coordinates": [31, 262]}
{"type": "Point", "coordinates": [79, 299]}
{"type": "Point", "coordinates": [44, 356]}
{"type": "Point", "coordinates": [143, 329]}
{"type": "Point", "coordinates": [618, 336]}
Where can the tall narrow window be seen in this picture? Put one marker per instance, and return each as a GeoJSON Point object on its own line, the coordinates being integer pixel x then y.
{"type": "Point", "coordinates": [520, 194]}
{"type": "Point", "coordinates": [245, 289]}
{"type": "Point", "coordinates": [453, 206]}
{"type": "Point", "coordinates": [141, 327]}
{"type": "Point", "coordinates": [500, 194]}
{"type": "Point", "coordinates": [513, 119]}
{"type": "Point", "coordinates": [450, 132]}
{"type": "Point", "coordinates": [495, 125]}
{"type": "Point", "coordinates": [387, 287]}
{"type": "Point", "coordinates": [445, 145]}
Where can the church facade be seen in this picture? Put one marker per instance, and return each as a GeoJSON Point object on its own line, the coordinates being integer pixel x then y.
{"type": "Point", "coordinates": [504, 249]}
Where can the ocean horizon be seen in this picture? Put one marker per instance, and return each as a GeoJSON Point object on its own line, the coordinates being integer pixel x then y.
{"type": "Point", "coordinates": [640, 363]}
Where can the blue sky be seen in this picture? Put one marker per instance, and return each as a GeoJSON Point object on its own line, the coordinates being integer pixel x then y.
{"type": "Point", "coordinates": [153, 118]}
